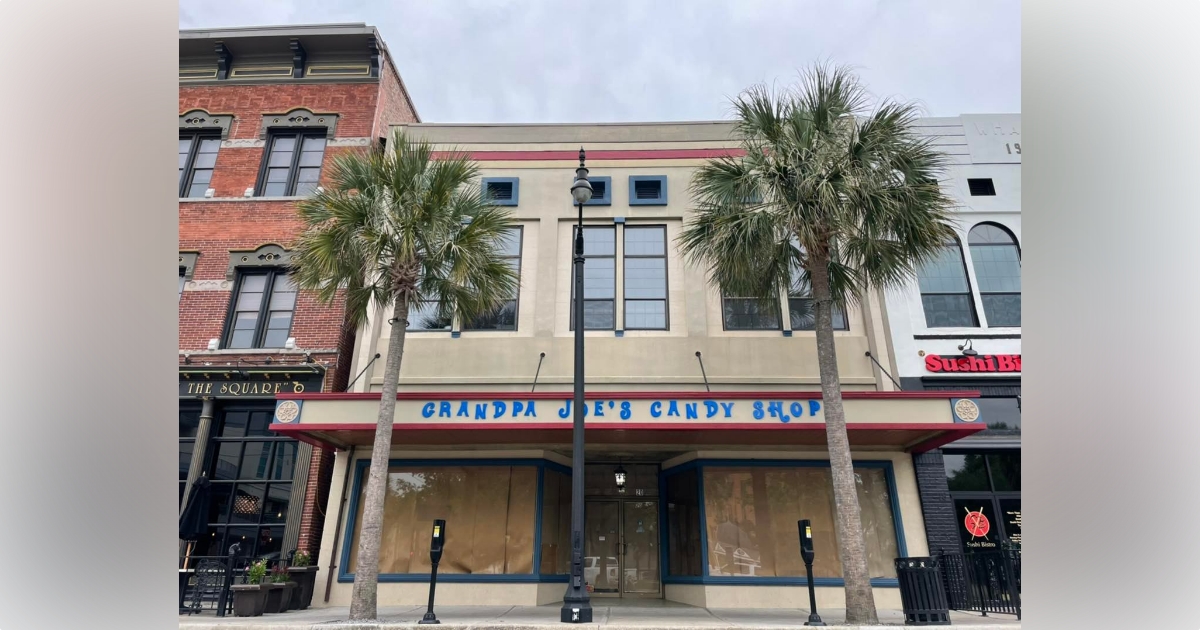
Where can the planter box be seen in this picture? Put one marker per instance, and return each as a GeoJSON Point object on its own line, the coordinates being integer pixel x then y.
{"type": "Point", "coordinates": [290, 589]}
{"type": "Point", "coordinates": [306, 578]}
{"type": "Point", "coordinates": [249, 600]}
{"type": "Point", "coordinates": [275, 602]}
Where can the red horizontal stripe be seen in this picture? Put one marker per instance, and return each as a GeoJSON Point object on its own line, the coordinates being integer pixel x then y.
{"type": "Point", "coordinates": [573, 156]}
{"type": "Point", "coordinates": [805, 395]}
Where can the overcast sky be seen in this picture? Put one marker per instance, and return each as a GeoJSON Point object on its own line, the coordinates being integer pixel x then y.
{"type": "Point", "coordinates": [615, 60]}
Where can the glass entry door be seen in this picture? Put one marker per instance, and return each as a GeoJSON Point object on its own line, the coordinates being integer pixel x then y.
{"type": "Point", "coordinates": [621, 553]}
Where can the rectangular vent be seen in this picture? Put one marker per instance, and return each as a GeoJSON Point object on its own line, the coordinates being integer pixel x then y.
{"type": "Point", "coordinates": [647, 189]}
{"type": "Point", "coordinates": [599, 189]}
{"type": "Point", "coordinates": [338, 71]}
{"type": "Point", "coordinates": [197, 73]}
{"type": "Point", "coordinates": [252, 73]}
{"type": "Point", "coordinates": [982, 187]}
{"type": "Point", "coordinates": [500, 191]}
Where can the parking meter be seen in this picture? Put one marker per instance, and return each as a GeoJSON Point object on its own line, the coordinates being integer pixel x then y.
{"type": "Point", "coordinates": [806, 542]}
{"type": "Point", "coordinates": [438, 541]}
{"type": "Point", "coordinates": [806, 552]}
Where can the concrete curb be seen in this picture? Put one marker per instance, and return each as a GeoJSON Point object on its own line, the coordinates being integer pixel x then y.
{"type": "Point", "coordinates": [493, 625]}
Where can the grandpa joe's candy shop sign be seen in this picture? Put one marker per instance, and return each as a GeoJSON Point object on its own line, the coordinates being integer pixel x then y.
{"type": "Point", "coordinates": [615, 410]}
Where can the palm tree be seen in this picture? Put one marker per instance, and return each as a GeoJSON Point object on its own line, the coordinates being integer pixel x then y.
{"type": "Point", "coordinates": [832, 197]}
{"type": "Point", "coordinates": [399, 227]}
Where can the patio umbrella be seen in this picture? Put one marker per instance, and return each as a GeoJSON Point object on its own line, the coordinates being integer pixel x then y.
{"type": "Point", "coordinates": [193, 523]}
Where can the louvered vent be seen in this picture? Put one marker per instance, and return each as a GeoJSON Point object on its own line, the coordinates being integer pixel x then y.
{"type": "Point", "coordinates": [500, 191]}
{"type": "Point", "coordinates": [647, 189]}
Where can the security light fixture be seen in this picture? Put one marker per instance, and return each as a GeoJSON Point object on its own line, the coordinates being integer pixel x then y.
{"type": "Point", "coordinates": [619, 474]}
{"type": "Point", "coordinates": [967, 349]}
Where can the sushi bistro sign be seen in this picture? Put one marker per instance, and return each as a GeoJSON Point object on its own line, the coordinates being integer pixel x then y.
{"type": "Point", "coordinates": [252, 385]}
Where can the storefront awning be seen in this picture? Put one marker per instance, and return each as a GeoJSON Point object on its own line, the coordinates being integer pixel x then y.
{"type": "Point", "coordinates": [910, 421]}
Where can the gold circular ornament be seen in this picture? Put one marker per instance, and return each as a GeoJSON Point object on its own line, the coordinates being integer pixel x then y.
{"type": "Point", "coordinates": [967, 410]}
{"type": "Point", "coordinates": [287, 411]}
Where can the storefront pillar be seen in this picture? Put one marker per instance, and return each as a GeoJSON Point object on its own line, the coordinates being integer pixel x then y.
{"type": "Point", "coordinates": [202, 435]}
{"type": "Point", "coordinates": [291, 531]}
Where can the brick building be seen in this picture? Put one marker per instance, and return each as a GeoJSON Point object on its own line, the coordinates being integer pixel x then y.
{"type": "Point", "coordinates": [261, 110]}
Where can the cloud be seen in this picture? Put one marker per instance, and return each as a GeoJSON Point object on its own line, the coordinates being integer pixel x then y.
{"type": "Point", "coordinates": [624, 60]}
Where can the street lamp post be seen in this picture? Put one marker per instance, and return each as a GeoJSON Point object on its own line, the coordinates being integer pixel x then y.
{"type": "Point", "coordinates": [576, 606]}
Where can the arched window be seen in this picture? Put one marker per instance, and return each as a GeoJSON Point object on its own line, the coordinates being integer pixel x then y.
{"type": "Point", "coordinates": [945, 291]}
{"type": "Point", "coordinates": [997, 264]}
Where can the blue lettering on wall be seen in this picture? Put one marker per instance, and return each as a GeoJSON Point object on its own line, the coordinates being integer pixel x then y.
{"type": "Point", "coordinates": [481, 411]}
{"type": "Point", "coordinates": [625, 412]}
{"type": "Point", "coordinates": [499, 408]}
{"type": "Point", "coordinates": [758, 410]}
{"type": "Point", "coordinates": [776, 409]}
{"type": "Point", "coordinates": [673, 409]}
{"type": "Point", "coordinates": [427, 410]}
{"type": "Point", "coordinates": [463, 411]}
{"type": "Point", "coordinates": [797, 409]}
{"type": "Point", "coordinates": [530, 410]}
{"type": "Point", "coordinates": [690, 408]}
{"type": "Point", "coordinates": [710, 409]}
{"type": "Point", "coordinates": [655, 409]}
{"type": "Point", "coordinates": [444, 409]}
{"type": "Point", "coordinates": [599, 408]}
{"type": "Point", "coordinates": [728, 407]}
{"type": "Point", "coordinates": [518, 406]}
{"type": "Point", "coordinates": [813, 407]}
{"type": "Point", "coordinates": [611, 404]}
{"type": "Point", "coordinates": [565, 410]}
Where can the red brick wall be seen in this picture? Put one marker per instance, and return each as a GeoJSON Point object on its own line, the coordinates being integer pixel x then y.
{"type": "Point", "coordinates": [316, 502]}
{"type": "Point", "coordinates": [213, 228]}
{"type": "Point", "coordinates": [353, 102]}
{"type": "Point", "coordinates": [394, 105]}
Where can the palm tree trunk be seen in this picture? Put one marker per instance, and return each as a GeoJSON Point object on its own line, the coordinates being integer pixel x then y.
{"type": "Point", "coordinates": [363, 599]}
{"type": "Point", "coordinates": [860, 601]}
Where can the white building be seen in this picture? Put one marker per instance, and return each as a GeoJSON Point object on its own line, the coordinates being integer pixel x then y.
{"type": "Point", "coordinates": [958, 327]}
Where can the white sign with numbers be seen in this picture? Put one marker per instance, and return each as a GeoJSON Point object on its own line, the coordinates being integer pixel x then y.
{"type": "Point", "coordinates": [993, 139]}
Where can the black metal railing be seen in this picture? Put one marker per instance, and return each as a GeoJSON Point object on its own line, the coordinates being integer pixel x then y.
{"type": "Point", "coordinates": [205, 582]}
{"type": "Point", "coordinates": [983, 581]}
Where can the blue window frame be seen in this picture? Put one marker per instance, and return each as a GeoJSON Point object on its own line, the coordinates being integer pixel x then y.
{"type": "Point", "coordinates": [647, 190]}
{"type": "Point", "coordinates": [601, 191]}
{"type": "Point", "coordinates": [705, 578]}
{"type": "Point", "coordinates": [536, 576]}
{"type": "Point", "coordinates": [503, 191]}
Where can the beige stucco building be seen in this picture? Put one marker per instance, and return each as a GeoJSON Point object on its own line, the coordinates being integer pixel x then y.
{"type": "Point", "coordinates": [710, 404]}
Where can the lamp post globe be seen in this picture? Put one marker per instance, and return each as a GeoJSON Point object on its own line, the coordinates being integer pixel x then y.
{"type": "Point", "coordinates": [576, 606]}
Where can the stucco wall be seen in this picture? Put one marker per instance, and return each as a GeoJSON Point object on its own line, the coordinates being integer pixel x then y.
{"type": "Point", "coordinates": [638, 359]}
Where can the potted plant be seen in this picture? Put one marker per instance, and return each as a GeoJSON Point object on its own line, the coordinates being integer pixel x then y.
{"type": "Point", "coordinates": [250, 599]}
{"type": "Point", "coordinates": [280, 594]}
{"type": "Point", "coordinates": [304, 574]}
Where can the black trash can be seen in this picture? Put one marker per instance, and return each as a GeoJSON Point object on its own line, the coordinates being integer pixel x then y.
{"type": "Point", "coordinates": [921, 592]}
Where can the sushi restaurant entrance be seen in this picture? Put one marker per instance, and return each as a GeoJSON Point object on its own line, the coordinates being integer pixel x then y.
{"type": "Point", "coordinates": [621, 535]}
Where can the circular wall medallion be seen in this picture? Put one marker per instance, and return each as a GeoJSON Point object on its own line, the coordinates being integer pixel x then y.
{"type": "Point", "coordinates": [967, 410]}
{"type": "Point", "coordinates": [287, 411]}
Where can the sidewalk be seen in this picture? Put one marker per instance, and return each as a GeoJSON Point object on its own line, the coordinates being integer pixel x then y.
{"type": "Point", "coordinates": [639, 616]}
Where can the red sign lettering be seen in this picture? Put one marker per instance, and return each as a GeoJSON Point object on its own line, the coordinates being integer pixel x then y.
{"type": "Point", "coordinates": [977, 363]}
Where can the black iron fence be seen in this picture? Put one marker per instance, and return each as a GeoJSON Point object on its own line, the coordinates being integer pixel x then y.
{"type": "Point", "coordinates": [205, 581]}
{"type": "Point", "coordinates": [983, 581]}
